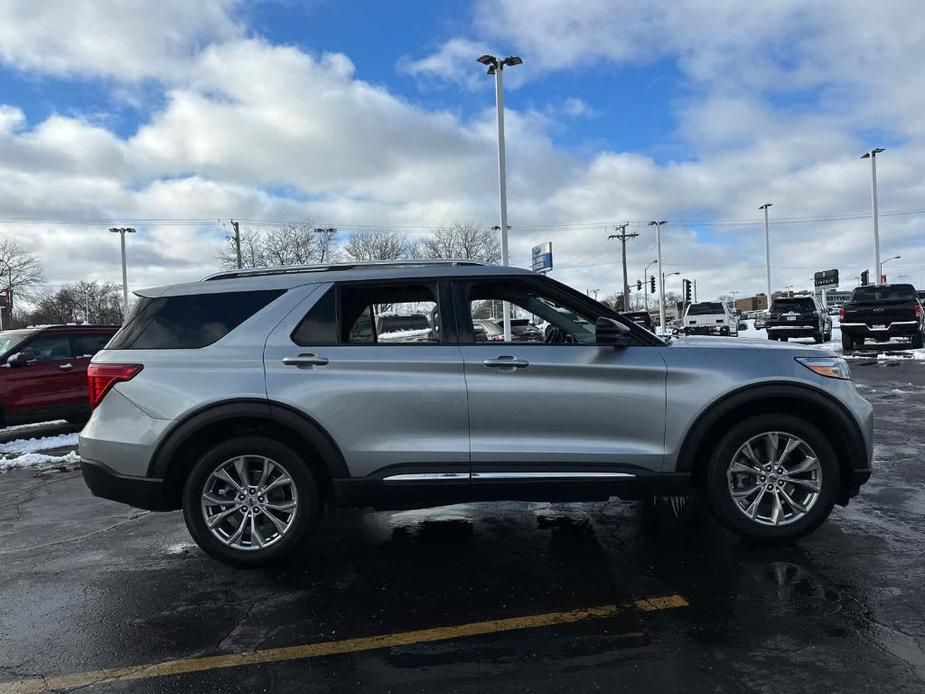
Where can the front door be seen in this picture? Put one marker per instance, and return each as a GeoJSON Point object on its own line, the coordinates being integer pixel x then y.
{"type": "Point", "coordinates": [552, 402]}
{"type": "Point", "coordinates": [369, 363]}
{"type": "Point", "coordinates": [48, 385]}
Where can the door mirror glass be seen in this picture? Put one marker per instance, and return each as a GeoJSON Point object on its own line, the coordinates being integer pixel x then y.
{"type": "Point", "coordinates": [21, 359]}
{"type": "Point", "coordinates": [607, 331]}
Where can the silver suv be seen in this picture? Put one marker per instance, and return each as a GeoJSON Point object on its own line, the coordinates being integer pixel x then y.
{"type": "Point", "coordinates": [256, 400]}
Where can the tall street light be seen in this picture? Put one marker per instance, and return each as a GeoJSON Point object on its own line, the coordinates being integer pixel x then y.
{"type": "Point", "coordinates": [496, 68]}
{"type": "Point", "coordinates": [767, 247]}
{"type": "Point", "coordinates": [661, 284]}
{"type": "Point", "coordinates": [645, 279]}
{"type": "Point", "coordinates": [884, 262]}
{"type": "Point", "coordinates": [872, 155]}
{"type": "Point", "coordinates": [122, 231]}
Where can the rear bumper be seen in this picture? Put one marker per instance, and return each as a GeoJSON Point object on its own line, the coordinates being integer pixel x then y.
{"type": "Point", "coordinates": [141, 492]}
{"type": "Point", "coordinates": [792, 330]}
{"type": "Point", "coordinates": [706, 330]}
{"type": "Point", "coordinates": [897, 329]}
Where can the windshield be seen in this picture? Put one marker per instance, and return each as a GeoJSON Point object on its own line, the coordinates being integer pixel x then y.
{"type": "Point", "coordinates": [9, 339]}
{"type": "Point", "coordinates": [705, 308]}
{"type": "Point", "coordinates": [896, 292]}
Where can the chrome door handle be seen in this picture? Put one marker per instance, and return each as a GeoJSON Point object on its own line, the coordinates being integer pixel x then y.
{"type": "Point", "coordinates": [506, 362]}
{"type": "Point", "coordinates": [305, 360]}
{"type": "Point", "coordinates": [66, 367]}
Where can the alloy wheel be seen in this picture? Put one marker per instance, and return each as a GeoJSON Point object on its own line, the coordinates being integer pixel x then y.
{"type": "Point", "coordinates": [774, 478]}
{"type": "Point", "coordinates": [249, 502]}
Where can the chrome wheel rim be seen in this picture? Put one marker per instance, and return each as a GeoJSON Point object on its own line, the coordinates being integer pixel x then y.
{"type": "Point", "coordinates": [249, 502]}
{"type": "Point", "coordinates": [774, 478]}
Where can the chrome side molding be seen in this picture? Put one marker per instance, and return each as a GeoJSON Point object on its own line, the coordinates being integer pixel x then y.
{"type": "Point", "coordinates": [431, 476]}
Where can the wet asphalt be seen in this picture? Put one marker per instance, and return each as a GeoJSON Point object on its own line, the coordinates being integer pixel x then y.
{"type": "Point", "coordinates": [88, 584]}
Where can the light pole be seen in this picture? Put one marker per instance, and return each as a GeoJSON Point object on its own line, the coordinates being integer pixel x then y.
{"type": "Point", "coordinates": [884, 262]}
{"type": "Point", "coordinates": [645, 279]}
{"type": "Point", "coordinates": [122, 231]}
{"type": "Point", "coordinates": [767, 247]}
{"type": "Point", "coordinates": [327, 232]}
{"type": "Point", "coordinates": [872, 155]}
{"type": "Point", "coordinates": [496, 68]}
{"type": "Point", "coordinates": [661, 287]}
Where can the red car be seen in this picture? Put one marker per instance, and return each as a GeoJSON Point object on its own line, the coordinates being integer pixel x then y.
{"type": "Point", "coordinates": [43, 372]}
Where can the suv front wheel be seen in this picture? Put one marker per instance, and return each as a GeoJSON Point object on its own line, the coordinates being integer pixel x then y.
{"type": "Point", "coordinates": [773, 477]}
{"type": "Point", "coordinates": [249, 501]}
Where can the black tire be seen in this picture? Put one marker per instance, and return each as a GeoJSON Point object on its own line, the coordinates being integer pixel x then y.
{"type": "Point", "coordinates": [306, 513]}
{"type": "Point", "coordinates": [918, 341]}
{"type": "Point", "coordinates": [818, 337]}
{"type": "Point", "coordinates": [828, 336]}
{"type": "Point", "coordinates": [725, 508]}
{"type": "Point", "coordinates": [783, 338]}
{"type": "Point", "coordinates": [847, 342]}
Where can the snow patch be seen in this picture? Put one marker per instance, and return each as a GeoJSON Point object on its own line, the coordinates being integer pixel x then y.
{"type": "Point", "coordinates": [39, 460]}
{"type": "Point", "coordinates": [38, 444]}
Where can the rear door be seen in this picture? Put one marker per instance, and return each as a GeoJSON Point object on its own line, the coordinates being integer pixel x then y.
{"type": "Point", "coordinates": [395, 403]}
{"type": "Point", "coordinates": [565, 407]}
{"type": "Point", "coordinates": [84, 345]}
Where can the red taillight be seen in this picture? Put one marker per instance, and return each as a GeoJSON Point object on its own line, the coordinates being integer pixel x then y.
{"type": "Point", "coordinates": [102, 377]}
{"type": "Point", "coordinates": [841, 314]}
{"type": "Point", "coordinates": [917, 310]}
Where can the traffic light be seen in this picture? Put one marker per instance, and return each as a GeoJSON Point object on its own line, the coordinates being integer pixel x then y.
{"type": "Point", "coordinates": [638, 285]}
{"type": "Point", "coordinates": [687, 290]}
{"type": "Point", "coordinates": [652, 284]}
{"type": "Point", "coordinates": [865, 278]}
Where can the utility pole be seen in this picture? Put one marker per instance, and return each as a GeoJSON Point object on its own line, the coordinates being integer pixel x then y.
{"type": "Point", "coordinates": [122, 231]}
{"type": "Point", "coordinates": [237, 242]}
{"type": "Point", "coordinates": [872, 155]}
{"type": "Point", "coordinates": [326, 239]}
{"type": "Point", "coordinates": [623, 236]}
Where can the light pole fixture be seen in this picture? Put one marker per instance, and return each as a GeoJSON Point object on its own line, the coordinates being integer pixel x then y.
{"type": "Point", "coordinates": [872, 155]}
{"type": "Point", "coordinates": [884, 262]}
{"type": "Point", "coordinates": [767, 246]}
{"type": "Point", "coordinates": [645, 279]}
{"type": "Point", "coordinates": [661, 285]}
{"type": "Point", "coordinates": [122, 231]}
{"type": "Point", "coordinates": [496, 67]}
{"type": "Point", "coordinates": [327, 232]}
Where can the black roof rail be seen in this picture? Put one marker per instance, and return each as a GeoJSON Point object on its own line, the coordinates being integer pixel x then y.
{"type": "Point", "coordinates": [333, 267]}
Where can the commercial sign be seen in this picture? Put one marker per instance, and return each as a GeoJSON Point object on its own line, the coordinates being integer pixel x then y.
{"type": "Point", "coordinates": [826, 279]}
{"type": "Point", "coordinates": [542, 257]}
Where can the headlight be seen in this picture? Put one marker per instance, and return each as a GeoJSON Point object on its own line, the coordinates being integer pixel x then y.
{"type": "Point", "coordinates": [830, 367]}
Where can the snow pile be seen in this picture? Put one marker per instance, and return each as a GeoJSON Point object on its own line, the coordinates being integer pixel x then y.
{"type": "Point", "coordinates": [41, 444]}
{"type": "Point", "coordinates": [39, 460]}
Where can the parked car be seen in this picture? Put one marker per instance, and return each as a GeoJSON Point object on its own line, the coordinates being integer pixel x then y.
{"type": "Point", "coordinates": [43, 372]}
{"type": "Point", "coordinates": [313, 418]}
{"type": "Point", "coordinates": [493, 331]}
{"type": "Point", "coordinates": [709, 318]}
{"type": "Point", "coordinates": [881, 313]}
{"type": "Point", "coordinates": [761, 320]}
{"type": "Point", "coordinates": [411, 327]}
{"type": "Point", "coordinates": [798, 316]}
{"type": "Point", "coordinates": [642, 318]}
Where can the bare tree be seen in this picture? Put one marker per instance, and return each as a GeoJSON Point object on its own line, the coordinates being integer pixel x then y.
{"type": "Point", "coordinates": [381, 244]}
{"type": "Point", "coordinates": [293, 244]}
{"type": "Point", "coordinates": [19, 270]}
{"type": "Point", "coordinates": [463, 241]}
{"type": "Point", "coordinates": [82, 302]}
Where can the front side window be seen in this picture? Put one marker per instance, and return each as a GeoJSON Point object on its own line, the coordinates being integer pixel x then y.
{"type": "Point", "coordinates": [49, 348]}
{"type": "Point", "coordinates": [536, 316]}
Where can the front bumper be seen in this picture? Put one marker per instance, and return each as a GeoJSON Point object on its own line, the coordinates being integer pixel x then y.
{"type": "Point", "coordinates": [141, 492]}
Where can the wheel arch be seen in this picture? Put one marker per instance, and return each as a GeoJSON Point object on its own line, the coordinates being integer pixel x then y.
{"type": "Point", "coordinates": [198, 431]}
{"type": "Point", "coordinates": [817, 406]}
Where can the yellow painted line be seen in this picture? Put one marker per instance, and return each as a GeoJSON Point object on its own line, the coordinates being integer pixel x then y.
{"type": "Point", "coordinates": [317, 650]}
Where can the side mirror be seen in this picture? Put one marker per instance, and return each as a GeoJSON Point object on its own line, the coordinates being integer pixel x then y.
{"type": "Point", "coordinates": [607, 331]}
{"type": "Point", "coordinates": [20, 359]}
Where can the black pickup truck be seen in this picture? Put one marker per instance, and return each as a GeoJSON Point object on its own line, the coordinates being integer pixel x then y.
{"type": "Point", "coordinates": [881, 313]}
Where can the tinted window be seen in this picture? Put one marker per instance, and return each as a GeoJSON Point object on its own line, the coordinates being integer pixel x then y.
{"type": "Point", "coordinates": [897, 292]}
{"type": "Point", "coordinates": [49, 348]}
{"type": "Point", "coordinates": [189, 322]}
{"type": "Point", "coordinates": [705, 308]}
{"type": "Point", "coordinates": [793, 305]}
{"type": "Point", "coordinates": [10, 339]}
{"type": "Point", "coordinates": [319, 327]}
{"type": "Point", "coordinates": [88, 344]}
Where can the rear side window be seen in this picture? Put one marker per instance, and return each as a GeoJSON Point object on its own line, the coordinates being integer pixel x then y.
{"type": "Point", "coordinates": [188, 322]}
{"type": "Point", "coordinates": [88, 344]}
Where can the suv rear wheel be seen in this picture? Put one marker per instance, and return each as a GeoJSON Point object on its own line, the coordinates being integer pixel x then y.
{"type": "Point", "coordinates": [773, 477]}
{"type": "Point", "coordinates": [847, 342]}
{"type": "Point", "coordinates": [918, 341]}
{"type": "Point", "coordinates": [249, 501]}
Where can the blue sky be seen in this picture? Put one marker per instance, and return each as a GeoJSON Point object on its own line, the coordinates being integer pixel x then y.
{"type": "Point", "coordinates": [376, 114]}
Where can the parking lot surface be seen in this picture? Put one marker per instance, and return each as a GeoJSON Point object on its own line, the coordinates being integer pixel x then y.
{"type": "Point", "coordinates": [503, 597]}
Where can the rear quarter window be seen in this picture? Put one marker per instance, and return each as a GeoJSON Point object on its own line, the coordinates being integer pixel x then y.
{"type": "Point", "coordinates": [188, 322]}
